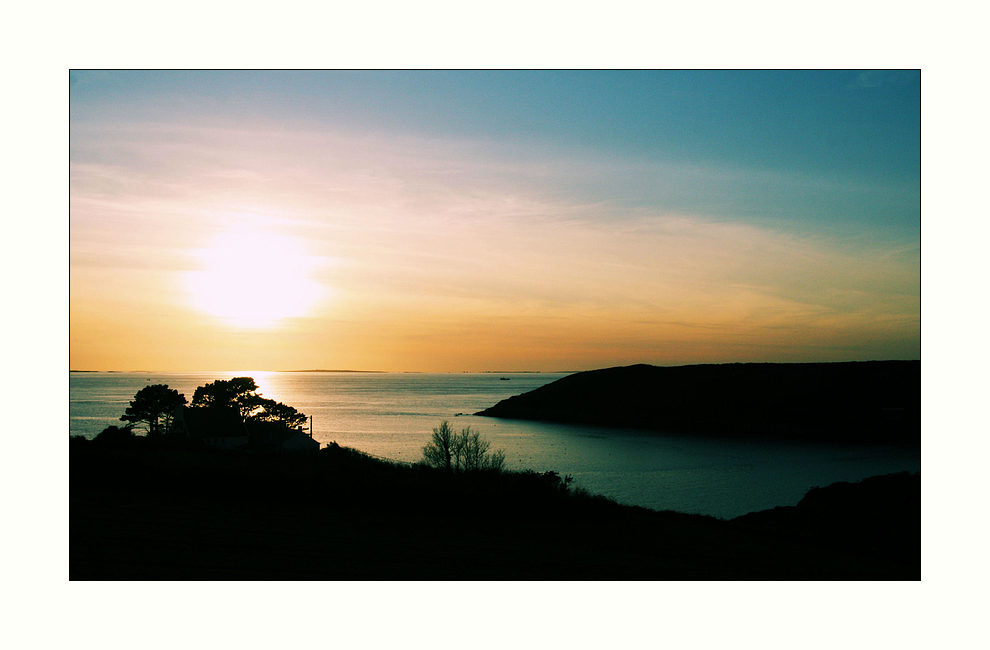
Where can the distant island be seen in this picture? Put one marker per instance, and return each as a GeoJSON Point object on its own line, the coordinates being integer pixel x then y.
{"type": "Point", "coordinates": [867, 401]}
{"type": "Point", "coordinates": [324, 370]}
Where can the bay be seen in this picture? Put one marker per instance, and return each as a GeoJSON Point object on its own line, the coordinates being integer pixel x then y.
{"type": "Point", "coordinates": [391, 415]}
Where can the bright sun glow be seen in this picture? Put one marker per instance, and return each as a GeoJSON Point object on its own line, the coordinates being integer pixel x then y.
{"type": "Point", "coordinates": [254, 279]}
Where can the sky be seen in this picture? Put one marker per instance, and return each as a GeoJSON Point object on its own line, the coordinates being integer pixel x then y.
{"type": "Point", "coordinates": [449, 221]}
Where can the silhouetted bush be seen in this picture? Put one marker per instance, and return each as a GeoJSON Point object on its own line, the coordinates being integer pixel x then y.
{"type": "Point", "coordinates": [115, 435]}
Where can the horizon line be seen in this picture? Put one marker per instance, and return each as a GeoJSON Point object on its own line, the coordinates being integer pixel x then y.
{"type": "Point", "coordinates": [484, 372]}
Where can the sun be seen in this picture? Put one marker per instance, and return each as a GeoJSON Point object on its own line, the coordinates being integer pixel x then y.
{"type": "Point", "coordinates": [254, 279]}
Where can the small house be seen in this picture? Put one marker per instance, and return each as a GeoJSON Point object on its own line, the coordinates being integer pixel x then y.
{"type": "Point", "coordinates": [226, 429]}
{"type": "Point", "coordinates": [223, 428]}
{"type": "Point", "coordinates": [277, 438]}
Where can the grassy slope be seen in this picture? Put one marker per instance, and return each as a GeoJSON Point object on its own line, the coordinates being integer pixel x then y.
{"type": "Point", "coordinates": [154, 514]}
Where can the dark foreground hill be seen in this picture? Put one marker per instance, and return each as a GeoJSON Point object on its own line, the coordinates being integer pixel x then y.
{"type": "Point", "coordinates": [879, 516]}
{"type": "Point", "coordinates": [147, 512]}
{"type": "Point", "coordinates": [876, 401]}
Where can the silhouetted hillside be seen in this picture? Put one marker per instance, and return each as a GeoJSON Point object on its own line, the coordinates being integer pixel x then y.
{"type": "Point", "coordinates": [861, 401]}
{"type": "Point", "coordinates": [158, 512]}
{"type": "Point", "coordinates": [879, 517]}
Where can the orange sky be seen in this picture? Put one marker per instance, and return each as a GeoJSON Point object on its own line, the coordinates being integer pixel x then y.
{"type": "Point", "coordinates": [217, 237]}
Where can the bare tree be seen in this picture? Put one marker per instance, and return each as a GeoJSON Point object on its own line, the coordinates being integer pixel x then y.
{"type": "Point", "coordinates": [440, 451]}
{"type": "Point", "coordinates": [464, 451]}
{"type": "Point", "coordinates": [471, 450]}
{"type": "Point", "coordinates": [494, 461]}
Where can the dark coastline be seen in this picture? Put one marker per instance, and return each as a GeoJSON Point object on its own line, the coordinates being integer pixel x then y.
{"type": "Point", "coordinates": [154, 510]}
{"type": "Point", "coordinates": [869, 401]}
{"type": "Point", "coordinates": [172, 508]}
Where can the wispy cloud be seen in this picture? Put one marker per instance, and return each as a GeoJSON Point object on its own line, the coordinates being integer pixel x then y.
{"type": "Point", "coordinates": [486, 246]}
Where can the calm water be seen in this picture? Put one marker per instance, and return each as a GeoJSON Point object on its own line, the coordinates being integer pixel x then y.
{"type": "Point", "coordinates": [392, 415]}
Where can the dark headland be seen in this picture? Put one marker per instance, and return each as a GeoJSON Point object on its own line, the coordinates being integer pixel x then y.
{"type": "Point", "coordinates": [869, 401]}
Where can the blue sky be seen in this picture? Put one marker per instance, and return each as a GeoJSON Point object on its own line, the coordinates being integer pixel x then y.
{"type": "Point", "coordinates": [843, 122]}
{"type": "Point", "coordinates": [856, 128]}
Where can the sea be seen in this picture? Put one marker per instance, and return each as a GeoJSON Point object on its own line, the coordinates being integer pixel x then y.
{"type": "Point", "coordinates": [392, 415]}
